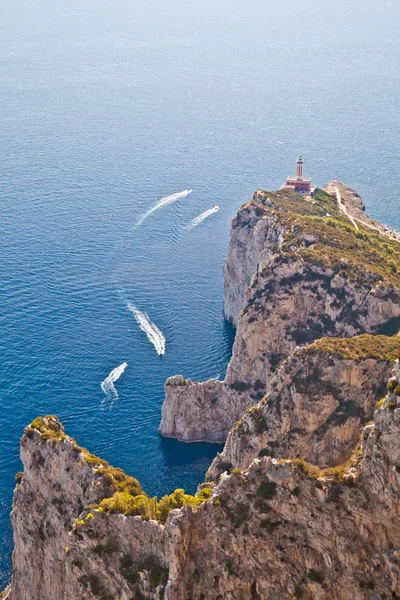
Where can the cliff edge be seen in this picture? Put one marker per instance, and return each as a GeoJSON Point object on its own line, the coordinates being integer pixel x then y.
{"type": "Point", "coordinates": [278, 529]}
{"type": "Point", "coordinates": [297, 270]}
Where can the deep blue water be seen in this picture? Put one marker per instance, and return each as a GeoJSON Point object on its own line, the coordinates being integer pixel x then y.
{"type": "Point", "coordinates": [106, 108]}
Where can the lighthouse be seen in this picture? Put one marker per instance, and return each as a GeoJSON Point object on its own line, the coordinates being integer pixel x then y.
{"type": "Point", "coordinates": [300, 163]}
{"type": "Point", "coordinates": [299, 183]}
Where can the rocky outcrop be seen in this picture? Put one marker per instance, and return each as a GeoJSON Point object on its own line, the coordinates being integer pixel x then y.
{"type": "Point", "coordinates": [287, 532]}
{"type": "Point", "coordinates": [315, 405]}
{"type": "Point", "coordinates": [56, 485]}
{"type": "Point", "coordinates": [353, 203]}
{"type": "Point", "coordinates": [280, 529]}
{"type": "Point", "coordinates": [296, 271]}
{"type": "Point", "coordinates": [187, 402]}
{"type": "Point", "coordinates": [297, 301]}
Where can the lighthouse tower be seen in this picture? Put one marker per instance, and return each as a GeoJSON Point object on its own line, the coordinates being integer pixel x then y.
{"type": "Point", "coordinates": [299, 183]}
{"type": "Point", "coordinates": [300, 163]}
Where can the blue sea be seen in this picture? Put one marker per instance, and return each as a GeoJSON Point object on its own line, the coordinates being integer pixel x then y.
{"type": "Point", "coordinates": [108, 107]}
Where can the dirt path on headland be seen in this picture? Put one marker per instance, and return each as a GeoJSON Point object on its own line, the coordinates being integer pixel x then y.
{"type": "Point", "coordinates": [344, 209]}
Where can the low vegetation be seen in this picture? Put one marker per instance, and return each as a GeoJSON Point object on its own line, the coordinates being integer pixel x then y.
{"type": "Point", "coordinates": [151, 508]}
{"type": "Point", "coordinates": [340, 474]}
{"type": "Point", "coordinates": [358, 348]}
{"type": "Point", "coordinates": [288, 201]}
{"type": "Point", "coordinates": [354, 254]}
{"type": "Point", "coordinates": [49, 428]}
{"type": "Point", "coordinates": [119, 493]}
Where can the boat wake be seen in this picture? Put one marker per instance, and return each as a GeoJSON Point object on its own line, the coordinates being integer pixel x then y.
{"type": "Point", "coordinates": [154, 335]}
{"type": "Point", "coordinates": [202, 217]}
{"type": "Point", "coordinates": [108, 386]}
{"type": "Point", "coordinates": [164, 202]}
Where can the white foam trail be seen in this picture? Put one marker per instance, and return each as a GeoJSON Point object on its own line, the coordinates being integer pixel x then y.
{"type": "Point", "coordinates": [164, 202]}
{"type": "Point", "coordinates": [202, 217]}
{"type": "Point", "coordinates": [108, 386]}
{"type": "Point", "coordinates": [154, 335]}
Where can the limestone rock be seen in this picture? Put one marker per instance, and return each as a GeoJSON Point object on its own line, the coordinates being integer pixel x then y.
{"type": "Point", "coordinates": [280, 529]}
{"type": "Point", "coordinates": [316, 404]}
{"type": "Point", "coordinates": [296, 271]}
{"type": "Point", "coordinates": [187, 402]}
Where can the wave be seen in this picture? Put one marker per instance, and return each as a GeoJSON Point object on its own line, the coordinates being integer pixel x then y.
{"type": "Point", "coordinates": [108, 386]}
{"type": "Point", "coordinates": [154, 335]}
{"type": "Point", "coordinates": [202, 217]}
{"type": "Point", "coordinates": [164, 202]}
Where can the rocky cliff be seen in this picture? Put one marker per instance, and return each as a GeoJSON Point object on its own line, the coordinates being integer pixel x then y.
{"type": "Point", "coordinates": [315, 405]}
{"type": "Point", "coordinates": [276, 530]}
{"type": "Point", "coordinates": [304, 500]}
{"type": "Point", "coordinates": [58, 553]}
{"type": "Point", "coordinates": [296, 271]}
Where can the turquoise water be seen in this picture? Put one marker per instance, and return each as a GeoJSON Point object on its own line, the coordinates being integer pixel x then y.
{"type": "Point", "coordinates": [106, 109]}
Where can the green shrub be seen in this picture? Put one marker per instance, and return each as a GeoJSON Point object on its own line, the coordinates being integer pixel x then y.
{"type": "Point", "coordinates": [391, 386]}
{"type": "Point", "coordinates": [267, 490]}
{"type": "Point", "coordinates": [150, 508]}
{"type": "Point", "coordinates": [381, 401]}
{"type": "Point", "coordinates": [49, 427]}
{"type": "Point", "coordinates": [115, 479]}
{"type": "Point", "coordinates": [397, 390]}
{"type": "Point", "coordinates": [240, 386]}
{"type": "Point", "coordinates": [107, 548]}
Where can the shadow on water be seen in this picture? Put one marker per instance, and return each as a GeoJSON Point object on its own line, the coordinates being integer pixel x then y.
{"type": "Point", "coordinates": [179, 453]}
{"type": "Point", "coordinates": [229, 333]}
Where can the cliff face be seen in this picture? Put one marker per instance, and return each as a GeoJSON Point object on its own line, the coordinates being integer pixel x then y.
{"type": "Point", "coordinates": [315, 405]}
{"type": "Point", "coordinates": [185, 405]}
{"type": "Point", "coordinates": [280, 529]}
{"type": "Point", "coordinates": [58, 554]}
{"type": "Point", "coordinates": [284, 534]}
{"type": "Point", "coordinates": [296, 271]}
{"type": "Point", "coordinates": [250, 246]}
{"type": "Point", "coordinates": [57, 483]}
